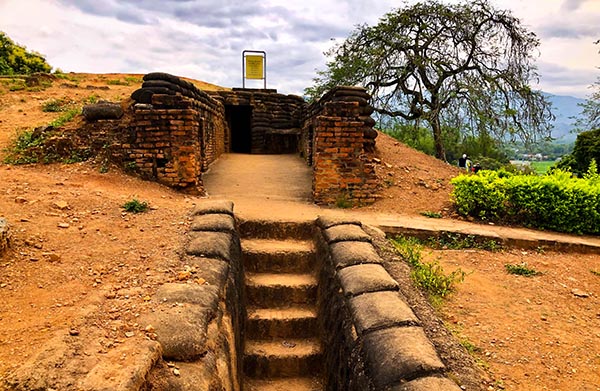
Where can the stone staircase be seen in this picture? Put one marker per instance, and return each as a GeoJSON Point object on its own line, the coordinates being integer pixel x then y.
{"type": "Point", "coordinates": [282, 345]}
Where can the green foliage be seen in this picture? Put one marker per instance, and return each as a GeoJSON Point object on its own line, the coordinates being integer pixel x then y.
{"type": "Point", "coordinates": [17, 85]}
{"type": "Point", "coordinates": [66, 117]}
{"type": "Point", "coordinates": [587, 147]}
{"type": "Point", "coordinates": [342, 201]}
{"type": "Point", "coordinates": [457, 241]}
{"type": "Point", "coordinates": [429, 276]}
{"type": "Point", "coordinates": [56, 105]}
{"type": "Point", "coordinates": [92, 99]}
{"type": "Point", "coordinates": [409, 248]}
{"type": "Point", "coordinates": [16, 60]}
{"type": "Point", "coordinates": [463, 66]}
{"type": "Point", "coordinates": [521, 270]}
{"type": "Point", "coordinates": [430, 214]}
{"type": "Point", "coordinates": [135, 206]}
{"type": "Point", "coordinates": [20, 150]}
{"type": "Point", "coordinates": [128, 81]}
{"type": "Point", "coordinates": [555, 201]}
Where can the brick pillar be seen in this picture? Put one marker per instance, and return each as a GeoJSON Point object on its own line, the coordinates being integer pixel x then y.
{"type": "Point", "coordinates": [343, 173]}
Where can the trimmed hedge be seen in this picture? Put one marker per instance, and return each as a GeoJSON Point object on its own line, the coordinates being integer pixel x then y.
{"type": "Point", "coordinates": [556, 201]}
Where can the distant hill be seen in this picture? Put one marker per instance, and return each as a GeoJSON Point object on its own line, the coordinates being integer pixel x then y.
{"type": "Point", "coordinates": [564, 108]}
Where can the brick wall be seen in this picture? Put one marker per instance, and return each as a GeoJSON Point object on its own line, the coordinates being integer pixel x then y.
{"type": "Point", "coordinates": [338, 141]}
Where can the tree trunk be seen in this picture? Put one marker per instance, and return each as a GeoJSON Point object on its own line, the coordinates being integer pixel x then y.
{"type": "Point", "coordinates": [440, 152]}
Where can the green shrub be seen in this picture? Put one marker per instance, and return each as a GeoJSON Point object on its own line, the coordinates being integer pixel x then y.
{"type": "Point", "coordinates": [556, 201]}
{"type": "Point", "coordinates": [135, 206]}
{"type": "Point", "coordinates": [482, 196]}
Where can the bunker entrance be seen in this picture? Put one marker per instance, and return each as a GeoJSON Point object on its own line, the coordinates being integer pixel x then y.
{"type": "Point", "coordinates": [239, 119]}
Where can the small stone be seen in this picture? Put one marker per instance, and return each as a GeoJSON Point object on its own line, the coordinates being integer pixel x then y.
{"type": "Point", "coordinates": [129, 334]}
{"type": "Point", "coordinates": [579, 293]}
{"type": "Point", "coordinates": [74, 332]}
{"type": "Point", "coordinates": [20, 200]}
{"type": "Point", "coordinates": [62, 205]}
{"type": "Point", "coordinates": [63, 225]}
{"type": "Point", "coordinates": [288, 344]}
{"type": "Point", "coordinates": [149, 328]}
{"type": "Point", "coordinates": [184, 275]}
{"type": "Point", "coordinates": [176, 372]}
{"type": "Point", "coordinates": [200, 281]}
{"type": "Point", "coordinates": [52, 257]}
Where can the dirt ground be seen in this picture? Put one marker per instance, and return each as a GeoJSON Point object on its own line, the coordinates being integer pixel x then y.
{"type": "Point", "coordinates": [74, 248]}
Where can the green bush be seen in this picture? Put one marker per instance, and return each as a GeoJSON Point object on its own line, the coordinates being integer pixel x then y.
{"type": "Point", "coordinates": [135, 206]}
{"type": "Point", "coordinates": [556, 201]}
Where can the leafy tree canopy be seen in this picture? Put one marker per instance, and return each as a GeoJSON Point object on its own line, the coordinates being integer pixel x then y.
{"type": "Point", "coordinates": [16, 60]}
{"type": "Point", "coordinates": [465, 66]}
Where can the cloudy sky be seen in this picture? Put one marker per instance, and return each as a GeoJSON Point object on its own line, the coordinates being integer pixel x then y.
{"type": "Point", "coordinates": [203, 39]}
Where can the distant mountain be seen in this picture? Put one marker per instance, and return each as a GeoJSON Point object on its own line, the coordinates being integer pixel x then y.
{"type": "Point", "coordinates": [565, 108]}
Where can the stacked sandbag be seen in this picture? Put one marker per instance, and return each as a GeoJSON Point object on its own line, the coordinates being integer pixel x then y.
{"type": "Point", "coordinates": [167, 84]}
{"type": "Point", "coordinates": [102, 110]}
{"type": "Point", "coordinates": [360, 95]}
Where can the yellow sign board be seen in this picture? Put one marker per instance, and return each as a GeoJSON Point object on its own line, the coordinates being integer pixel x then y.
{"type": "Point", "coordinates": [254, 67]}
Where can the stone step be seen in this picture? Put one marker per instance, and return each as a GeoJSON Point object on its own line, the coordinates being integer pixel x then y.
{"type": "Point", "coordinates": [282, 358]}
{"type": "Point", "coordinates": [283, 256]}
{"type": "Point", "coordinates": [302, 229]}
{"type": "Point", "coordinates": [284, 384]}
{"type": "Point", "coordinates": [266, 290]}
{"type": "Point", "coordinates": [292, 322]}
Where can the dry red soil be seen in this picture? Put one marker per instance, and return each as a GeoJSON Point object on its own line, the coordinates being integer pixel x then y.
{"type": "Point", "coordinates": [75, 251]}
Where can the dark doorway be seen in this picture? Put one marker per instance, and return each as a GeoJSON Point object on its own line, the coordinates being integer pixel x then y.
{"type": "Point", "coordinates": [239, 119]}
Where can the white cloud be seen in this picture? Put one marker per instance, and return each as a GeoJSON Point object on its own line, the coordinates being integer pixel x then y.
{"type": "Point", "coordinates": [204, 39]}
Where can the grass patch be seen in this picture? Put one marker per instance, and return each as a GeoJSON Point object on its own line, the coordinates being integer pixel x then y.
{"type": "Point", "coordinates": [541, 168]}
{"type": "Point", "coordinates": [135, 206]}
{"type": "Point", "coordinates": [66, 117]}
{"type": "Point", "coordinates": [521, 270]}
{"type": "Point", "coordinates": [429, 276]}
{"type": "Point", "coordinates": [20, 150]}
{"type": "Point", "coordinates": [124, 82]}
{"type": "Point", "coordinates": [458, 241]}
{"type": "Point", "coordinates": [17, 85]}
{"type": "Point", "coordinates": [430, 214]}
{"type": "Point", "coordinates": [56, 106]}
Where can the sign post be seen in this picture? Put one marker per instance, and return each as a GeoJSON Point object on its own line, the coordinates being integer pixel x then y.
{"type": "Point", "coordinates": [254, 66]}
